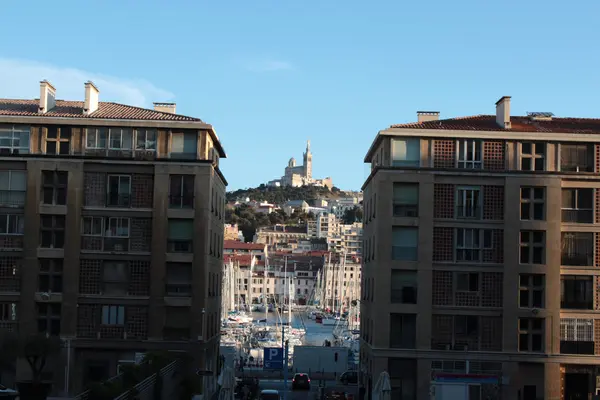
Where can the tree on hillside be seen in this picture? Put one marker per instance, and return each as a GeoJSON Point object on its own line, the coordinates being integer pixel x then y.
{"type": "Point", "coordinates": [282, 194]}
{"type": "Point", "coordinates": [352, 215]}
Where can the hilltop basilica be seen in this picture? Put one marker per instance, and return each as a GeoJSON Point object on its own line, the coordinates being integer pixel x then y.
{"type": "Point", "coordinates": [301, 175]}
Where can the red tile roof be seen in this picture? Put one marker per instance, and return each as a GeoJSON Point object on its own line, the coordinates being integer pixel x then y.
{"type": "Point", "coordinates": [235, 245]}
{"type": "Point", "coordinates": [74, 109]}
{"type": "Point", "coordinates": [518, 124]}
{"type": "Point", "coordinates": [243, 259]}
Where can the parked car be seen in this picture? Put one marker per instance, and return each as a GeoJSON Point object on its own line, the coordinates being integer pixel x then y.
{"type": "Point", "coordinates": [270, 394]}
{"type": "Point", "coordinates": [349, 378]}
{"type": "Point", "coordinates": [301, 382]}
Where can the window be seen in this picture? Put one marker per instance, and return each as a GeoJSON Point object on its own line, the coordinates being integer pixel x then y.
{"type": "Point", "coordinates": [470, 243]}
{"type": "Point", "coordinates": [403, 331]}
{"type": "Point", "coordinates": [177, 323]}
{"type": "Point", "coordinates": [469, 154]}
{"type": "Point", "coordinates": [578, 205]}
{"type": "Point", "coordinates": [577, 249]}
{"type": "Point", "coordinates": [119, 191]}
{"type": "Point", "coordinates": [577, 292]}
{"type": "Point", "coordinates": [96, 138]}
{"type": "Point", "coordinates": [531, 290]}
{"type": "Point", "coordinates": [116, 234]}
{"type": "Point", "coordinates": [54, 187]}
{"type": "Point", "coordinates": [12, 224]}
{"type": "Point", "coordinates": [120, 138]}
{"type": "Point", "coordinates": [179, 279]}
{"type": "Point", "coordinates": [181, 191]}
{"type": "Point", "coordinates": [113, 315]}
{"type": "Point", "coordinates": [180, 236]}
{"type": "Point", "coordinates": [58, 140]}
{"type": "Point", "coordinates": [474, 392]}
{"type": "Point", "coordinates": [13, 186]}
{"type": "Point", "coordinates": [406, 200]}
{"type": "Point", "coordinates": [14, 139]}
{"type": "Point", "coordinates": [184, 145]}
{"type": "Point", "coordinates": [146, 139]}
{"type": "Point", "coordinates": [8, 312]}
{"type": "Point", "coordinates": [92, 226]}
{"type": "Point", "coordinates": [533, 203]}
{"type": "Point", "coordinates": [115, 278]}
{"type": "Point", "coordinates": [405, 243]}
{"type": "Point", "coordinates": [532, 247]}
{"type": "Point", "coordinates": [577, 157]}
{"type": "Point", "coordinates": [531, 334]}
{"type": "Point", "coordinates": [577, 336]}
{"type": "Point", "coordinates": [406, 152]}
{"type": "Point", "coordinates": [52, 231]}
{"type": "Point", "coordinates": [468, 202]}
{"type": "Point", "coordinates": [465, 325]}
{"type": "Point", "coordinates": [49, 318]}
{"type": "Point", "coordinates": [404, 287]}
{"type": "Point", "coordinates": [51, 275]}
{"type": "Point", "coordinates": [533, 155]}
{"type": "Point", "coordinates": [467, 282]}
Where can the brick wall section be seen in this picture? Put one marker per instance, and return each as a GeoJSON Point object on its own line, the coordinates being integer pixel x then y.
{"type": "Point", "coordinates": [597, 255]}
{"type": "Point", "coordinates": [89, 323]}
{"type": "Point", "coordinates": [10, 279]}
{"type": "Point", "coordinates": [90, 276]}
{"type": "Point", "coordinates": [444, 154]}
{"type": "Point", "coordinates": [597, 337]}
{"type": "Point", "coordinates": [496, 253]}
{"type": "Point", "coordinates": [493, 202]}
{"type": "Point", "coordinates": [443, 200]}
{"type": "Point", "coordinates": [491, 333]}
{"type": "Point", "coordinates": [442, 288]}
{"type": "Point", "coordinates": [95, 189]}
{"type": "Point", "coordinates": [493, 155]}
{"type": "Point", "coordinates": [441, 331]}
{"type": "Point", "coordinates": [597, 293]}
{"type": "Point", "coordinates": [141, 234]}
{"type": "Point", "coordinates": [442, 244]}
{"type": "Point", "coordinates": [92, 243]}
{"type": "Point", "coordinates": [491, 289]}
{"type": "Point", "coordinates": [11, 242]}
{"type": "Point", "coordinates": [87, 314]}
{"type": "Point", "coordinates": [136, 322]}
{"type": "Point", "coordinates": [139, 272]}
{"type": "Point", "coordinates": [597, 208]}
{"type": "Point", "coordinates": [597, 157]}
{"type": "Point", "coordinates": [142, 190]}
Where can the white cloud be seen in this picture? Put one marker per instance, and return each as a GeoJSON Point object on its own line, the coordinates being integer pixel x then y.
{"type": "Point", "coordinates": [268, 65]}
{"type": "Point", "coordinates": [20, 79]}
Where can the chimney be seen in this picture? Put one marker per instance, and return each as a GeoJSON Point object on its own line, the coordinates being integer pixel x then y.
{"type": "Point", "coordinates": [47, 97]}
{"type": "Point", "coordinates": [503, 112]}
{"type": "Point", "coordinates": [165, 107]}
{"type": "Point", "coordinates": [425, 116]}
{"type": "Point", "coordinates": [91, 98]}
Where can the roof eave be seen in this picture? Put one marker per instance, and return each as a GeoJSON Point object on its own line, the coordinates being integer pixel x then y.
{"type": "Point", "coordinates": [216, 141]}
{"type": "Point", "coordinates": [154, 123]}
{"type": "Point", "coordinates": [373, 146]}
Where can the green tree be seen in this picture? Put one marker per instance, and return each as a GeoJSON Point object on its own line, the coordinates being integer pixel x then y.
{"type": "Point", "coordinates": [352, 215]}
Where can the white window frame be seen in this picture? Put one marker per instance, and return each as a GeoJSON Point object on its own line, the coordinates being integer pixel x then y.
{"type": "Point", "coordinates": [582, 329]}
{"type": "Point", "coordinates": [14, 221]}
{"type": "Point", "coordinates": [96, 132]}
{"type": "Point", "coordinates": [470, 234]}
{"type": "Point", "coordinates": [113, 315]}
{"type": "Point", "coordinates": [94, 222]}
{"type": "Point", "coordinates": [145, 133]}
{"type": "Point", "coordinates": [119, 132]}
{"type": "Point", "coordinates": [533, 156]}
{"type": "Point", "coordinates": [119, 227]}
{"type": "Point", "coordinates": [474, 207]}
{"type": "Point", "coordinates": [10, 131]}
{"type": "Point", "coordinates": [476, 146]}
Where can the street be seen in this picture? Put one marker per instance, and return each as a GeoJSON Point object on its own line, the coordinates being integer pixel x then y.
{"type": "Point", "coordinates": [307, 395]}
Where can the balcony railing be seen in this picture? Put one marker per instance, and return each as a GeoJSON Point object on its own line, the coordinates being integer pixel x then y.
{"type": "Point", "coordinates": [573, 347]}
{"type": "Point", "coordinates": [406, 295]}
{"type": "Point", "coordinates": [12, 198]}
{"type": "Point", "coordinates": [469, 212]}
{"type": "Point", "coordinates": [404, 253]}
{"type": "Point", "coordinates": [178, 289]}
{"type": "Point", "coordinates": [179, 246]}
{"type": "Point", "coordinates": [580, 216]}
{"type": "Point", "coordinates": [116, 244]}
{"type": "Point", "coordinates": [577, 304]}
{"type": "Point", "coordinates": [406, 210]}
{"type": "Point", "coordinates": [178, 201]}
{"type": "Point", "coordinates": [577, 259]}
{"type": "Point", "coordinates": [118, 200]}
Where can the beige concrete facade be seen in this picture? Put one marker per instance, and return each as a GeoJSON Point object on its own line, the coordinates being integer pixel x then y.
{"type": "Point", "coordinates": [54, 278]}
{"type": "Point", "coordinates": [460, 310]}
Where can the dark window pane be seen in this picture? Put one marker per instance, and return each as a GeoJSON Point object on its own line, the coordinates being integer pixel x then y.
{"type": "Point", "coordinates": [526, 193]}
{"type": "Point", "coordinates": [539, 164]}
{"type": "Point", "coordinates": [524, 237]}
{"type": "Point", "coordinates": [538, 280]}
{"type": "Point", "coordinates": [48, 194]}
{"type": "Point", "coordinates": [59, 240]}
{"type": "Point", "coordinates": [52, 132]}
{"type": "Point", "coordinates": [57, 284]}
{"type": "Point", "coordinates": [538, 193]}
{"type": "Point", "coordinates": [524, 298]}
{"type": "Point", "coordinates": [46, 239]}
{"type": "Point", "coordinates": [538, 237]}
{"type": "Point", "coordinates": [65, 147]}
{"type": "Point", "coordinates": [42, 325]}
{"type": "Point", "coordinates": [526, 148]}
{"type": "Point", "coordinates": [524, 280]}
{"type": "Point", "coordinates": [536, 324]}
{"type": "Point", "coordinates": [538, 255]}
{"type": "Point", "coordinates": [61, 196]}
{"type": "Point", "coordinates": [523, 343]}
{"type": "Point", "coordinates": [55, 327]}
{"type": "Point", "coordinates": [525, 210]}
{"type": "Point", "coordinates": [524, 258]}
{"type": "Point", "coordinates": [50, 147]}
{"type": "Point", "coordinates": [526, 164]}
{"type": "Point", "coordinates": [537, 299]}
{"type": "Point", "coordinates": [44, 283]}
{"type": "Point", "coordinates": [65, 132]}
{"type": "Point", "coordinates": [538, 211]}
{"type": "Point", "coordinates": [62, 177]}
{"type": "Point", "coordinates": [540, 149]}
{"type": "Point", "coordinates": [536, 342]}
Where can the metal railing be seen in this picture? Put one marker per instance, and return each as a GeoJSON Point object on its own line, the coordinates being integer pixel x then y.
{"type": "Point", "coordinates": [185, 201]}
{"type": "Point", "coordinates": [581, 216]}
{"type": "Point", "coordinates": [144, 389]}
{"type": "Point", "coordinates": [406, 210]}
{"type": "Point", "coordinates": [465, 211]}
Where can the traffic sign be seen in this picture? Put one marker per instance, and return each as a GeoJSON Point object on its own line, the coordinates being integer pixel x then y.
{"type": "Point", "coordinates": [273, 358]}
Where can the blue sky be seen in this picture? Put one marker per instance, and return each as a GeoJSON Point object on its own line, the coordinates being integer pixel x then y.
{"type": "Point", "coordinates": [271, 74]}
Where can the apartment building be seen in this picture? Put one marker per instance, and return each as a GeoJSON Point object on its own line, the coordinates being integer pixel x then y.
{"type": "Point", "coordinates": [482, 257]}
{"type": "Point", "coordinates": [112, 231]}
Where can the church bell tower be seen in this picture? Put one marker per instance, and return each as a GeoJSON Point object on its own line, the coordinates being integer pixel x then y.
{"type": "Point", "coordinates": [307, 162]}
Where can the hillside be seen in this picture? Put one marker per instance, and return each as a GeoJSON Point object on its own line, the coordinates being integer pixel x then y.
{"type": "Point", "coordinates": [279, 195]}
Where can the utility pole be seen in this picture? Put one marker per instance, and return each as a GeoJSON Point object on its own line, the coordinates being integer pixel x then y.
{"type": "Point", "coordinates": [284, 345]}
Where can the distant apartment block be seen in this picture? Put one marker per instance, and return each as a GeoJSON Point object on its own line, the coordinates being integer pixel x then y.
{"type": "Point", "coordinates": [481, 257]}
{"type": "Point", "coordinates": [112, 232]}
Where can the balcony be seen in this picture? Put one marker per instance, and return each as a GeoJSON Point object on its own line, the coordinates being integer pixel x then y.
{"type": "Point", "coordinates": [12, 198]}
{"type": "Point", "coordinates": [468, 212]}
{"type": "Point", "coordinates": [116, 244]}
{"type": "Point", "coordinates": [178, 289]}
{"type": "Point", "coordinates": [406, 210]}
{"type": "Point", "coordinates": [118, 200]}
{"type": "Point", "coordinates": [184, 202]}
{"type": "Point", "coordinates": [578, 216]}
{"type": "Point", "coordinates": [577, 347]}
{"type": "Point", "coordinates": [577, 249]}
{"type": "Point", "coordinates": [179, 246]}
